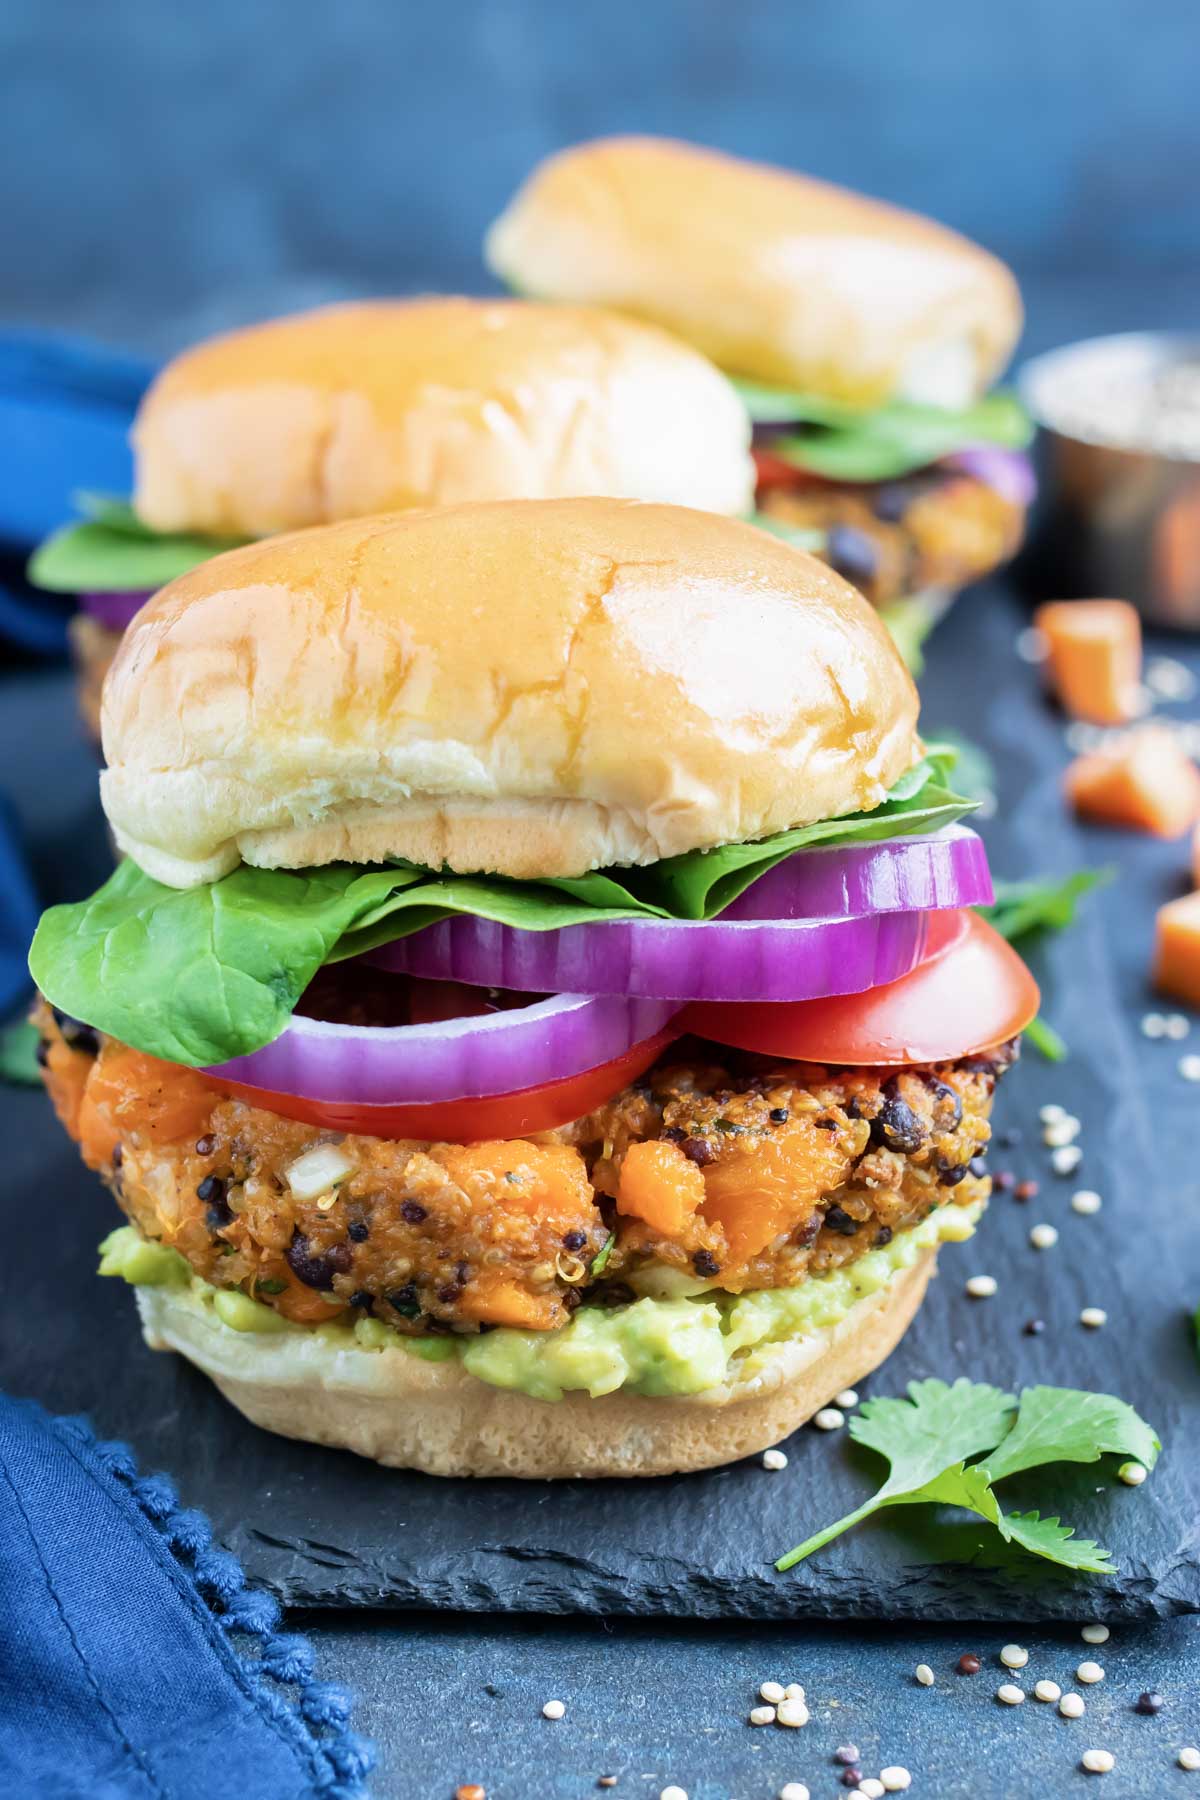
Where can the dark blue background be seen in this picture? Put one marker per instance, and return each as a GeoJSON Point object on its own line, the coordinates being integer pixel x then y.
{"type": "Point", "coordinates": [170, 168]}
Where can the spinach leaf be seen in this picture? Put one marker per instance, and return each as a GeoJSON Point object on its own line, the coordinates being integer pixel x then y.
{"type": "Point", "coordinates": [112, 551]}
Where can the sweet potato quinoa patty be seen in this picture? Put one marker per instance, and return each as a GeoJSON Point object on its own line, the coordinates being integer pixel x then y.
{"type": "Point", "coordinates": [939, 528]}
{"type": "Point", "coordinates": [736, 1173]}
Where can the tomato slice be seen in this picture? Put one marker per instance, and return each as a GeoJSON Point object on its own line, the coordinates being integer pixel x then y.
{"type": "Point", "coordinates": [470, 1121]}
{"type": "Point", "coordinates": [971, 993]}
{"type": "Point", "coordinates": [775, 471]}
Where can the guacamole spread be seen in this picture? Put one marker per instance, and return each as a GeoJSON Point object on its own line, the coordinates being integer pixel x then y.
{"type": "Point", "coordinates": [653, 1345]}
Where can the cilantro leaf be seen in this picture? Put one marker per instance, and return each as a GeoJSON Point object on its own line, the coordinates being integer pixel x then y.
{"type": "Point", "coordinates": [1045, 1039]}
{"type": "Point", "coordinates": [111, 550]}
{"type": "Point", "coordinates": [926, 1439]}
{"type": "Point", "coordinates": [600, 1260]}
{"type": "Point", "coordinates": [1045, 903]}
{"type": "Point", "coordinates": [929, 1440]}
{"type": "Point", "coordinates": [1056, 1542]}
{"type": "Point", "coordinates": [1067, 1425]}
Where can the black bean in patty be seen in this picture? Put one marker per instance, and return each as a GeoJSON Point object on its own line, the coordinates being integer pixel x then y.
{"type": "Point", "coordinates": [842, 1223]}
{"type": "Point", "coordinates": [699, 1151]}
{"type": "Point", "coordinates": [705, 1263]}
{"type": "Point", "coordinates": [316, 1271]}
{"type": "Point", "coordinates": [412, 1212]}
{"type": "Point", "coordinates": [897, 1127]}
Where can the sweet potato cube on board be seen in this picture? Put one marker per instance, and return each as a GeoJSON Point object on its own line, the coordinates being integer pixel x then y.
{"type": "Point", "coordinates": [1095, 657]}
{"type": "Point", "coordinates": [1177, 949]}
{"type": "Point", "coordinates": [1147, 782]}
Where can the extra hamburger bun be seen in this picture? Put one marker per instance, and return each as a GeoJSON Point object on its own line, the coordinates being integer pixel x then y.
{"type": "Point", "coordinates": [527, 687]}
{"type": "Point", "coordinates": [396, 403]}
{"type": "Point", "coordinates": [434, 1416]}
{"type": "Point", "coordinates": [772, 274]}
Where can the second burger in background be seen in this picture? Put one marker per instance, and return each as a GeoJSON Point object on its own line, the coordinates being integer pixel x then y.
{"type": "Point", "coordinates": [864, 338]}
{"type": "Point", "coordinates": [541, 1026]}
{"type": "Point", "coordinates": [387, 404]}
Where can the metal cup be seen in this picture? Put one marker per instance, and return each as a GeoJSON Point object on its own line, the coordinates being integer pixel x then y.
{"type": "Point", "coordinates": [1117, 519]}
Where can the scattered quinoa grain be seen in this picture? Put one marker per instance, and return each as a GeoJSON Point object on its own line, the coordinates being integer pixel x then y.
{"type": "Point", "coordinates": [1009, 1693]}
{"type": "Point", "coordinates": [895, 1779]}
{"type": "Point", "coordinates": [847, 1399]}
{"type": "Point", "coordinates": [1094, 1634]}
{"type": "Point", "coordinates": [762, 1715]}
{"type": "Point", "coordinates": [470, 1790]}
{"type": "Point", "coordinates": [1189, 1067]}
{"type": "Point", "coordinates": [673, 1793]}
{"type": "Point", "coordinates": [1153, 1025]}
{"type": "Point", "coordinates": [829, 1419]}
{"type": "Point", "coordinates": [1034, 1327]}
{"type": "Point", "coordinates": [793, 1691]}
{"type": "Point", "coordinates": [1149, 1704]}
{"type": "Point", "coordinates": [924, 1674]}
{"type": "Point", "coordinates": [1062, 1132]}
{"type": "Point", "coordinates": [1066, 1160]}
{"type": "Point", "coordinates": [981, 1287]}
{"type": "Point", "coordinates": [1093, 1317]}
{"type": "Point", "coordinates": [1071, 1706]}
{"type": "Point", "coordinates": [1025, 1190]}
{"type": "Point", "coordinates": [1013, 1656]}
{"type": "Point", "coordinates": [793, 1790]}
{"type": "Point", "coordinates": [872, 1787]}
{"type": "Point", "coordinates": [772, 1692]}
{"type": "Point", "coordinates": [774, 1459]}
{"type": "Point", "coordinates": [792, 1712]}
{"type": "Point", "coordinates": [1189, 1757]}
{"type": "Point", "coordinates": [846, 1753]}
{"type": "Point", "coordinates": [553, 1709]}
{"type": "Point", "coordinates": [1133, 1473]}
{"type": "Point", "coordinates": [1043, 1237]}
{"type": "Point", "coordinates": [1097, 1762]}
{"type": "Point", "coordinates": [968, 1663]}
{"type": "Point", "coordinates": [1048, 1691]}
{"type": "Point", "coordinates": [851, 1777]}
{"type": "Point", "coordinates": [1086, 1201]}
{"type": "Point", "coordinates": [1051, 1113]}
{"type": "Point", "coordinates": [607, 1781]}
{"type": "Point", "coordinates": [1176, 1027]}
{"type": "Point", "coordinates": [1033, 646]}
{"type": "Point", "coordinates": [1089, 1673]}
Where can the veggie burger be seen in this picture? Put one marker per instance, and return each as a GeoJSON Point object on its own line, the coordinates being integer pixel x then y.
{"type": "Point", "coordinates": [540, 1026]}
{"type": "Point", "coordinates": [376, 405]}
{"type": "Point", "coordinates": [864, 339]}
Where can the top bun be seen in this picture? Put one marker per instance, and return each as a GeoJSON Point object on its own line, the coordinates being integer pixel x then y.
{"type": "Point", "coordinates": [530, 688]}
{"type": "Point", "coordinates": [772, 274]}
{"type": "Point", "coordinates": [396, 403]}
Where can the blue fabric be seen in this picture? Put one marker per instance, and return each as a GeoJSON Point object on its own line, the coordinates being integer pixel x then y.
{"type": "Point", "coordinates": [18, 913]}
{"type": "Point", "coordinates": [66, 406]}
{"type": "Point", "coordinates": [134, 1660]}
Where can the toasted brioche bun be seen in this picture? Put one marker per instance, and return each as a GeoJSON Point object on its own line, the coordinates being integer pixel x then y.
{"type": "Point", "coordinates": [772, 274]}
{"type": "Point", "coordinates": [531, 687]}
{"type": "Point", "coordinates": [391, 403]}
{"type": "Point", "coordinates": [434, 1416]}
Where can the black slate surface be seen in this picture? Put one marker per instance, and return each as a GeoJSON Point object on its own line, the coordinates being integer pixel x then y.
{"type": "Point", "coordinates": [325, 1529]}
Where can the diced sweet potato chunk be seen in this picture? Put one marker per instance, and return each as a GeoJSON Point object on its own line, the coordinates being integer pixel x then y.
{"type": "Point", "coordinates": [1177, 949]}
{"type": "Point", "coordinates": [659, 1185]}
{"type": "Point", "coordinates": [1147, 782]}
{"type": "Point", "coordinates": [1095, 657]}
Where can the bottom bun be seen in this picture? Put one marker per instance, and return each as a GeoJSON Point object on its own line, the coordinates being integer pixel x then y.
{"type": "Point", "coordinates": [412, 1414]}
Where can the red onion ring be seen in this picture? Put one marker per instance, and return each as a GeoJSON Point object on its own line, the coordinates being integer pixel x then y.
{"type": "Point", "coordinates": [115, 611]}
{"type": "Point", "coordinates": [1009, 472]}
{"type": "Point", "coordinates": [455, 1059]}
{"type": "Point", "coordinates": [944, 869]}
{"type": "Point", "coordinates": [669, 959]}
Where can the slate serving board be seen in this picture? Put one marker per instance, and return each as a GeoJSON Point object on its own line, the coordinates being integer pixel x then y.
{"type": "Point", "coordinates": [325, 1529]}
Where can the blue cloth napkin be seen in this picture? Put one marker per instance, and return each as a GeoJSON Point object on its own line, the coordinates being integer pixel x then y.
{"type": "Point", "coordinates": [66, 406]}
{"type": "Point", "coordinates": [18, 914]}
{"type": "Point", "coordinates": [134, 1659]}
